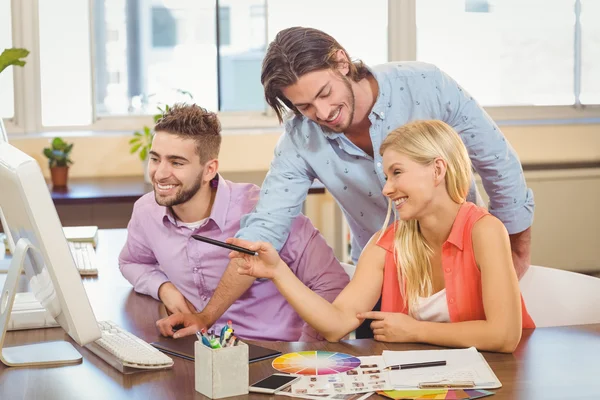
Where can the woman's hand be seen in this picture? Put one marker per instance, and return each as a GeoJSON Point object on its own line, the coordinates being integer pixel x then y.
{"type": "Point", "coordinates": [392, 327]}
{"type": "Point", "coordinates": [266, 265]}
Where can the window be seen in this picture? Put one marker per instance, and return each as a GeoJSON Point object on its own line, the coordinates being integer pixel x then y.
{"type": "Point", "coordinates": [7, 108]}
{"type": "Point", "coordinates": [590, 50]}
{"type": "Point", "coordinates": [224, 26]}
{"type": "Point", "coordinates": [181, 56]}
{"type": "Point", "coordinates": [121, 59]}
{"type": "Point", "coordinates": [345, 20]}
{"type": "Point", "coordinates": [507, 55]}
{"type": "Point", "coordinates": [65, 77]}
{"type": "Point", "coordinates": [161, 50]}
{"type": "Point", "coordinates": [164, 27]}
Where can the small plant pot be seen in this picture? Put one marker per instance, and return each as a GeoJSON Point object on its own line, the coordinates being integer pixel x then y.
{"type": "Point", "coordinates": [60, 176]}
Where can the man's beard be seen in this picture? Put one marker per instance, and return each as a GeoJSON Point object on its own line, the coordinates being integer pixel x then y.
{"type": "Point", "coordinates": [181, 197]}
{"type": "Point", "coordinates": [351, 102]}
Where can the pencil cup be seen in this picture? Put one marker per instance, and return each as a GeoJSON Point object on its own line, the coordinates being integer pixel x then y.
{"type": "Point", "coordinates": [221, 372]}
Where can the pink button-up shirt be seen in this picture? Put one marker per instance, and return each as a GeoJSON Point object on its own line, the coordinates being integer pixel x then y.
{"type": "Point", "coordinates": [160, 249]}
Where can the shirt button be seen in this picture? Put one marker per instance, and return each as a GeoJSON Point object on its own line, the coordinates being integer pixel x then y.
{"type": "Point", "coordinates": [204, 298]}
{"type": "Point", "coordinates": [452, 300]}
{"type": "Point", "coordinates": [448, 270]}
{"type": "Point", "coordinates": [379, 164]}
{"type": "Point", "coordinates": [382, 114]}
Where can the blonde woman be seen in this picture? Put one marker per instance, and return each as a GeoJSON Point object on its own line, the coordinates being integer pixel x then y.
{"type": "Point", "coordinates": [443, 269]}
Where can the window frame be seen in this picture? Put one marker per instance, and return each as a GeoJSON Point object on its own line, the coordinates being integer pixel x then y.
{"type": "Point", "coordinates": [402, 46]}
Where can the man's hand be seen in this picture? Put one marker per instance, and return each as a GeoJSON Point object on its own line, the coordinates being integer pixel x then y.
{"type": "Point", "coordinates": [520, 245]}
{"type": "Point", "coordinates": [391, 327]}
{"type": "Point", "coordinates": [191, 323]}
{"type": "Point", "coordinates": [174, 300]}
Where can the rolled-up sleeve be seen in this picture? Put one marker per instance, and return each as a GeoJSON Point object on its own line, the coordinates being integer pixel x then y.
{"type": "Point", "coordinates": [137, 262]}
{"type": "Point", "coordinates": [313, 262]}
{"type": "Point", "coordinates": [491, 155]}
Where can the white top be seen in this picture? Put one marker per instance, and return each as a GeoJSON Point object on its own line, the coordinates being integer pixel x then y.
{"type": "Point", "coordinates": [433, 308]}
{"type": "Point", "coordinates": [192, 225]}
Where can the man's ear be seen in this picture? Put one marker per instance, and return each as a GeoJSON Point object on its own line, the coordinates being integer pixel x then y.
{"type": "Point", "coordinates": [210, 170]}
{"type": "Point", "coordinates": [439, 170]}
{"type": "Point", "coordinates": [343, 63]}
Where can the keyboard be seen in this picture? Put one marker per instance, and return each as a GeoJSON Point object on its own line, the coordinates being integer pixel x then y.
{"type": "Point", "coordinates": [125, 351]}
{"type": "Point", "coordinates": [28, 313]}
{"type": "Point", "coordinates": [84, 256]}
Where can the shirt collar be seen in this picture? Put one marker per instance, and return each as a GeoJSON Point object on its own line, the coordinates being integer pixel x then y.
{"type": "Point", "coordinates": [382, 105]}
{"type": "Point", "coordinates": [220, 208]}
{"type": "Point", "coordinates": [458, 227]}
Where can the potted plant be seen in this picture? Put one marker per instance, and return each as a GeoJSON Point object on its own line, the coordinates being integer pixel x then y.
{"type": "Point", "coordinates": [59, 161]}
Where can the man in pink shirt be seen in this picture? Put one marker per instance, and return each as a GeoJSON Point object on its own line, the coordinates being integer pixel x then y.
{"type": "Point", "coordinates": [161, 259]}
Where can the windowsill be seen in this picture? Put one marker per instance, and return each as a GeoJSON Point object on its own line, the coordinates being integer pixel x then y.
{"type": "Point", "coordinates": [76, 133]}
{"type": "Point", "coordinates": [546, 122]}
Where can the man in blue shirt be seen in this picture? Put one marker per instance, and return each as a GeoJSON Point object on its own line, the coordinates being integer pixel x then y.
{"type": "Point", "coordinates": [343, 111]}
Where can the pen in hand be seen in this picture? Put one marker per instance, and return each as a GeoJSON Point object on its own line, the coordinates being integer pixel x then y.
{"type": "Point", "coordinates": [225, 245]}
{"type": "Point", "coordinates": [415, 365]}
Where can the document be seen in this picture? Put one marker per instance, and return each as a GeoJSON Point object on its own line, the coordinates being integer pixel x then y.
{"type": "Point", "coordinates": [368, 377]}
{"type": "Point", "coordinates": [462, 365]}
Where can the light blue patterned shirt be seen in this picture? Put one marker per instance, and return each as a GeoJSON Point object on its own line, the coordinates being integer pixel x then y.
{"type": "Point", "coordinates": [408, 91]}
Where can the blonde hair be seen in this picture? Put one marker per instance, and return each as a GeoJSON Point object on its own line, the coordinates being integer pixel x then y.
{"type": "Point", "coordinates": [424, 142]}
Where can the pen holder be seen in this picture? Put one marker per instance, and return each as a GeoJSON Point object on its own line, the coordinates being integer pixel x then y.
{"type": "Point", "coordinates": [221, 372]}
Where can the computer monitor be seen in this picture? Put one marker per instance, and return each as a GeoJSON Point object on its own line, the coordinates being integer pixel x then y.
{"type": "Point", "coordinates": [41, 250]}
{"type": "Point", "coordinates": [3, 133]}
{"type": "Point", "coordinates": [3, 224]}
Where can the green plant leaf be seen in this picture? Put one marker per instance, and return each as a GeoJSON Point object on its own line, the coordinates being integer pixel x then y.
{"type": "Point", "coordinates": [147, 132]}
{"type": "Point", "coordinates": [157, 117]}
{"type": "Point", "coordinates": [58, 144]}
{"type": "Point", "coordinates": [186, 93]}
{"type": "Point", "coordinates": [12, 57]}
{"type": "Point", "coordinates": [135, 148]}
{"type": "Point", "coordinates": [137, 134]}
{"type": "Point", "coordinates": [48, 153]}
{"type": "Point", "coordinates": [134, 140]}
{"type": "Point", "coordinates": [143, 153]}
{"type": "Point", "coordinates": [68, 148]}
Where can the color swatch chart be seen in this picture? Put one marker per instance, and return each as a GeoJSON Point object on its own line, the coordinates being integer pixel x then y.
{"type": "Point", "coordinates": [315, 363]}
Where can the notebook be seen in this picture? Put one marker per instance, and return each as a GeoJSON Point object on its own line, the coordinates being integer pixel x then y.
{"type": "Point", "coordinates": [462, 365]}
{"type": "Point", "coordinates": [184, 348]}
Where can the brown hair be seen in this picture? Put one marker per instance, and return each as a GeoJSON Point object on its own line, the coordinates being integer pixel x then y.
{"type": "Point", "coordinates": [295, 52]}
{"type": "Point", "coordinates": [194, 122]}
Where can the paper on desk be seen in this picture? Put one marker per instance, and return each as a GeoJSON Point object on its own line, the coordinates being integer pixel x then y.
{"type": "Point", "coordinates": [461, 365]}
{"type": "Point", "coordinates": [368, 377]}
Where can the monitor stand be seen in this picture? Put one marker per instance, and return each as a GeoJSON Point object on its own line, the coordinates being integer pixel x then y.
{"type": "Point", "coordinates": [30, 355]}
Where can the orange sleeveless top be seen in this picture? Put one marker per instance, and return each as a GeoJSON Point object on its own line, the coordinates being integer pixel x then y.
{"type": "Point", "coordinates": [461, 275]}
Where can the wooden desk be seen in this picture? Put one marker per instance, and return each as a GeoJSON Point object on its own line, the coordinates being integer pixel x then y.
{"type": "Point", "coordinates": [550, 363]}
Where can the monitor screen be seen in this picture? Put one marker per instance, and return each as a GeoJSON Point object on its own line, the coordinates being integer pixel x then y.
{"type": "Point", "coordinates": [29, 213]}
{"type": "Point", "coordinates": [3, 133]}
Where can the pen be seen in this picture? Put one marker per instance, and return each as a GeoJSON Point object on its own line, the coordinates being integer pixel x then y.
{"type": "Point", "coordinates": [415, 365]}
{"type": "Point", "coordinates": [223, 331]}
{"type": "Point", "coordinates": [203, 338]}
{"type": "Point", "coordinates": [225, 245]}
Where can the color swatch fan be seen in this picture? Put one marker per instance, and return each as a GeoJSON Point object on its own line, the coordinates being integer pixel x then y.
{"type": "Point", "coordinates": [315, 363]}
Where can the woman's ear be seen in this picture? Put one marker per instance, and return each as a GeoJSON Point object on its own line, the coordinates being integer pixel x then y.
{"type": "Point", "coordinates": [343, 63]}
{"type": "Point", "coordinates": [439, 170]}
